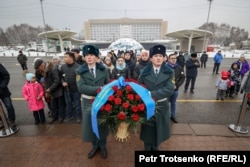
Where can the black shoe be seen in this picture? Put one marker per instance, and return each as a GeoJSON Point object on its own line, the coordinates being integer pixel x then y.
{"type": "Point", "coordinates": [92, 153]}
{"type": "Point", "coordinates": [60, 121]}
{"type": "Point", "coordinates": [222, 99]}
{"type": "Point", "coordinates": [185, 90]}
{"type": "Point", "coordinates": [104, 153]}
{"type": "Point", "coordinates": [52, 121]}
{"type": "Point", "coordinates": [174, 120]}
{"type": "Point", "coordinates": [192, 91]}
{"type": "Point", "coordinates": [37, 122]}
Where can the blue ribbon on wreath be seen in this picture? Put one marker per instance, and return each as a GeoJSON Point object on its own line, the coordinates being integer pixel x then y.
{"type": "Point", "coordinates": [107, 91]}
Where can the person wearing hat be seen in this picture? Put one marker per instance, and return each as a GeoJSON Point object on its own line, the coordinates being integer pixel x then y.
{"type": "Point", "coordinates": [159, 80]}
{"type": "Point", "coordinates": [217, 61]}
{"type": "Point", "coordinates": [109, 65]}
{"type": "Point", "coordinates": [222, 85]}
{"type": "Point", "coordinates": [191, 72]}
{"type": "Point", "coordinates": [57, 60]}
{"type": "Point", "coordinates": [79, 59]}
{"type": "Point", "coordinates": [48, 75]}
{"type": "Point", "coordinates": [22, 60]}
{"type": "Point", "coordinates": [33, 93]}
{"type": "Point", "coordinates": [90, 77]}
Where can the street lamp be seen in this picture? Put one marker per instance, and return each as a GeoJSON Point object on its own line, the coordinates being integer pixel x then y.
{"type": "Point", "coordinates": [210, 2]}
{"type": "Point", "coordinates": [44, 26]}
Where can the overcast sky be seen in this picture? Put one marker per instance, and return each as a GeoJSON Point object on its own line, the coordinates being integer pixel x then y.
{"type": "Point", "coordinates": [180, 14]}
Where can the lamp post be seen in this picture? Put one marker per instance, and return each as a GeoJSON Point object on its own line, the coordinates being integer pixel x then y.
{"type": "Point", "coordinates": [44, 27]}
{"type": "Point", "coordinates": [210, 2]}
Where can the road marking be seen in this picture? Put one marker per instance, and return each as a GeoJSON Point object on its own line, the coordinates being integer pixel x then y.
{"type": "Point", "coordinates": [181, 100]}
{"type": "Point", "coordinates": [209, 101]}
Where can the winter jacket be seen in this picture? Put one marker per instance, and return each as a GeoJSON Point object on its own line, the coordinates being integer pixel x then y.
{"type": "Point", "coordinates": [179, 75]}
{"type": "Point", "coordinates": [204, 57]}
{"type": "Point", "coordinates": [218, 58]}
{"type": "Point", "coordinates": [4, 81]}
{"type": "Point", "coordinates": [191, 68]}
{"type": "Point", "coordinates": [22, 58]}
{"type": "Point", "coordinates": [243, 67]}
{"type": "Point", "coordinates": [69, 75]}
{"type": "Point", "coordinates": [139, 67]}
{"type": "Point", "coordinates": [222, 84]}
{"type": "Point", "coordinates": [160, 87]}
{"type": "Point", "coordinates": [88, 85]}
{"type": "Point", "coordinates": [33, 93]}
{"type": "Point", "coordinates": [53, 80]}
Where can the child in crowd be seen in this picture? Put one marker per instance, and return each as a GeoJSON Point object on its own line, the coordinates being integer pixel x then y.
{"type": "Point", "coordinates": [33, 93]}
{"type": "Point", "coordinates": [222, 85]}
{"type": "Point", "coordinates": [235, 80]}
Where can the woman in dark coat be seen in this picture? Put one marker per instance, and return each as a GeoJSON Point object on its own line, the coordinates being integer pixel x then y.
{"type": "Point", "coordinates": [160, 87]}
{"type": "Point", "coordinates": [121, 69]}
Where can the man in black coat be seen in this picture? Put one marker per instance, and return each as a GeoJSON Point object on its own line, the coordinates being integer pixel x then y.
{"type": "Point", "coordinates": [5, 95]}
{"type": "Point", "coordinates": [179, 78]}
{"type": "Point", "coordinates": [203, 59]}
{"type": "Point", "coordinates": [191, 71]}
{"type": "Point", "coordinates": [22, 60]}
{"type": "Point", "coordinates": [144, 60]}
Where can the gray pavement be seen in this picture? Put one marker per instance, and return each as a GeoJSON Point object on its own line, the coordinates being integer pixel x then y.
{"type": "Point", "coordinates": [198, 108]}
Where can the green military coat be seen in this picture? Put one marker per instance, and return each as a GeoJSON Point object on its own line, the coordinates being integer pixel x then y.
{"type": "Point", "coordinates": [160, 87]}
{"type": "Point", "coordinates": [88, 85]}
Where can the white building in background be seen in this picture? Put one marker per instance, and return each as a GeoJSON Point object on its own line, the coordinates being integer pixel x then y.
{"type": "Point", "coordinates": [113, 29]}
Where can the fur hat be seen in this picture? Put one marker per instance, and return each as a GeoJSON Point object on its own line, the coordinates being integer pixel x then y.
{"type": "Point", "coordinates": [193, 54]}
{"type": "Point", "coordinates": [29, 76]}
{"type": "Point", "coordinates": [90, 49]}
{"type": "Point", "coordinates": [37, 63]}
{"type": "Point", "coordinates": [157, 49]}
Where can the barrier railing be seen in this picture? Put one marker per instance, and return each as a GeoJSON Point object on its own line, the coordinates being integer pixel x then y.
{"type": "Point", "coordinates": [7, 128]}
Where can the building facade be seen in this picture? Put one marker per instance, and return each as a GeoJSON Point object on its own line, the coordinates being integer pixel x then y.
{"type": "Point", "coordinates": [137, 29]}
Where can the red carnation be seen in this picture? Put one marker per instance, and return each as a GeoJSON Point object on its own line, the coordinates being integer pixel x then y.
{"type": "Point", "coordinates": [130, 97]}
{"type": "Point", "coordinates": [111, 98]}
{"type": "Point", "coordinates": [119, 92]}
{"type": "Point", "coordinates": [115, 88]}
{"type": "Point", "coordinates": [135, 108]}
{"type": "Point", "coordinates": [107, 108]}
{"type": "Point", "coordinates": [117, 101]}
{"type": "Point", "coordinates": [141, 107]}
{"type": "Point", "coordinates": [128, 88]}
{"type": "Point", "coordinates": [125, 105]}
{"type": "Point", "coordinates": [102, 108]}
{"type": "Point", "coordinates": [137, 97]}
{"type": "Point", "coordinates": [135, 117]}
{"type": "Point", "coordinates": [121, 116]}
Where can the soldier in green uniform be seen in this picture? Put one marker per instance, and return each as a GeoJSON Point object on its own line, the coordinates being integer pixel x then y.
{"type": "Point", "coordinates": [90, 77]}
{"type": "Point", "coordinates": [158, 79]}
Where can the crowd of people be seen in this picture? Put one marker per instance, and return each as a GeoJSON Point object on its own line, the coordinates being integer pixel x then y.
{"type": "Point", "coordinates": [68, 87]}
